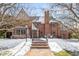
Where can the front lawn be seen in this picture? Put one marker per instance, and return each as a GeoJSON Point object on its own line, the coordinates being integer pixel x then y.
{"type": "Point", "coordinates": [2, 33]}
{"type": "Point", "coordinates": [62, 53]}
{"type": "Point", "coordinates": [72, 53]}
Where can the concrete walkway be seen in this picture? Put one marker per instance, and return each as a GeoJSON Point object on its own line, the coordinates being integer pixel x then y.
{"type": "Point", "coordinates": [39, 52]}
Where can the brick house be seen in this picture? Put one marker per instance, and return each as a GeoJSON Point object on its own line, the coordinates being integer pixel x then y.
{"type": "Point", "coordinates": [37, 28]}
{"type": "Point", "coordinates": [49, 27]}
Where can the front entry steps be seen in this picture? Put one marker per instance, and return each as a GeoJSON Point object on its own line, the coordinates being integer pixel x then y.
{"type": "Point", "coordinates": [37, 43]}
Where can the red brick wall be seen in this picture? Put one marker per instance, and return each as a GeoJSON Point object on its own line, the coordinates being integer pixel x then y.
{"type": "Point", "coordinates": [42, 30]}
{"type": "Point", "coordinates": [46, 17]}
{"type": "Point", "coordinates": [64, 34]}
{"type": "Point", "coordinates": [58, 30]}
{"type": "Point", "coordinates": [47, 25]}
{"type": "Point", "coordinates": [55, 29]}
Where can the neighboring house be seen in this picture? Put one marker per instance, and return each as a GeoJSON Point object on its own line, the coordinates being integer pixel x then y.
{"type": "Point", "coordinates": [37, 27]}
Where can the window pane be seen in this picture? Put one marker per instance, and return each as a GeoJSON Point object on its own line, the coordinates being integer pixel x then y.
{"type": "Point", "coordinates": [23, 31]}
{"type": "Point", "coordinates": [18, 31]}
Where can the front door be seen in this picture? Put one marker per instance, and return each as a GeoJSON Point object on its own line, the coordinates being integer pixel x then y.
{"type": "Point", "coordinates": [34, 34]}
{"type": "Point", "coordinates": [8, 34]}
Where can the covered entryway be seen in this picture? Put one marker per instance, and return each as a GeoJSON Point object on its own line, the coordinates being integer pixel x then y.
{"type": "Point", "coordinates": [8, 34]}
{"type": "Point", "coordinates": [35, 32]}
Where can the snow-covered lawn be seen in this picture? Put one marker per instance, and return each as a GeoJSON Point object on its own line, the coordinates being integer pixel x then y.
{"type": "Point", "coordinates": [54, 47]}
{"type": "Point", "coordinates": [19, 47]}
{"type": "Point", "coordinates": [9, 43]}
{"type": "Point", "coordinates": [64, 44]}
{"type": "Point", "coordinates": [25, 49]}
{"type": "Point", "coordinates": [15, 47]}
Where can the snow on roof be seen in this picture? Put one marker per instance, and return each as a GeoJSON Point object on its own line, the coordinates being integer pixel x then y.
{"type": "Point", "coordinates": [40, 19]}
{"type": "Point", "coordinates": [33, 27]}
{"type": "Point", "coordinates": [52, 21]}
{"type": "Point", "coordinates": [34, 20]}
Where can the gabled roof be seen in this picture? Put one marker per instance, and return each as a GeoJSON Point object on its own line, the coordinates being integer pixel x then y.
{"type": "Point", "coordinates": [37, 24]}
{"type": "Point", "coordinates": [22, 14]}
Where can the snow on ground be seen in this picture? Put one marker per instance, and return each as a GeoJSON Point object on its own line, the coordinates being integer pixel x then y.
{"type": "Point", "coordinates": [9, 43]}
{"type": "Point", "coordinates": [43, 39]}
{"type": "Point", "coordinates": [64, 44]}
{"type": "Point", "coordinates": [55, 44]}
{"type": "Point", "coordinates": [25, 48]}
{"type": "Point", "coordinates": [75, 43]}
{"type": "Point", "coordinates": [17, 47]}
{"type": "Point", "coordinates": [55, 47]}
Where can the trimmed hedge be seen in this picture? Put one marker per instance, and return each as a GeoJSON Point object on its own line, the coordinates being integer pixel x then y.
{"type": "Point", "coordinates": [2, 33]}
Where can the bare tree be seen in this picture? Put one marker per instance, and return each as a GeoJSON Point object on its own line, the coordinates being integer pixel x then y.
{"type": "Point", "coordinates": [4, 7]}
{"type": "Point", "coordinates": [4, 12]}
{"type": "Point", "coordinates": [72, 16]}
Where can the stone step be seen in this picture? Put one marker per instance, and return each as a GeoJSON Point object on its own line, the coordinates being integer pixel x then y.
{"type": "Point", "coordinates": [39, 44]}
{"type": "Point", "coordinates": [38, 40]}
{"type": "Point", "coordinates": [40, 47]}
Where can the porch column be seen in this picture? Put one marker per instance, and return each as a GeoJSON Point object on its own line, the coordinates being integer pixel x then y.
{"type": "Point", "coordinates": [37, 33]}
{"type": "Point", "coordinates": [27, 33]}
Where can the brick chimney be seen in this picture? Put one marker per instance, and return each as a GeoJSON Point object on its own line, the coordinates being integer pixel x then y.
{"type": "Point", "coordinates": [47, 25]}
{"type": "Point", "coordinates": [46, 16]}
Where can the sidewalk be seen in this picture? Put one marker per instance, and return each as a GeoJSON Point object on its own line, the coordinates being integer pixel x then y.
{"type": "Point", "coordinates": [39, 52]}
